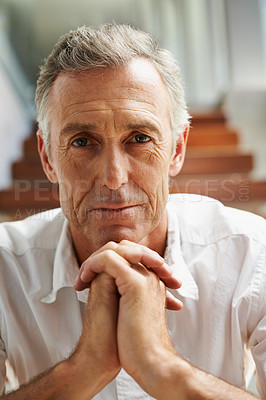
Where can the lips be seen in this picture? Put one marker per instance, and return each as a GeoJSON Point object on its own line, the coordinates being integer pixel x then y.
{"type": "Point", "coordinates": [114, 207]}
{"type": "Point", "coordinates": [116, 211]}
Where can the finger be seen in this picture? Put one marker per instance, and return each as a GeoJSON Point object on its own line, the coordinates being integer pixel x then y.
{"type": "Point", "coordinates": [108, 246]}
{"type": "Point", "coordinates": [136, 253]}
{"type": "Point", "coordinates": [133, 253]}
{"type": "Point", "coordinates": [172, 303]}
{"type": "Point", "coordinates": [79, 284]}
{"type": "Point", "coordinates": [108, 261]}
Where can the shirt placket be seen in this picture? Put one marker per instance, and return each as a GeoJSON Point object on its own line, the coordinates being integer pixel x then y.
{"type": "Point", "coordinates": [128, 389]}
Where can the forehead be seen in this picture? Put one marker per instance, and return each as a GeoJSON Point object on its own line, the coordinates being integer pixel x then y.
{"type": "Point", "coordinates": [137, 85]}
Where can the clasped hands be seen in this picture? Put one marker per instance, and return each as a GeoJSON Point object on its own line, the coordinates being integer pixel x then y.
{"type": "Point", "coordinates": [125, 323]}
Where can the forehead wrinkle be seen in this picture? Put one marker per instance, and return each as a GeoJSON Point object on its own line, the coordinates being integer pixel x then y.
{"type": "Point", "coordinates": [104, 103]}
{"type": "Point", "coordinates": [114, 125]}
{"type": "Point", "coordinates": [96, 121]}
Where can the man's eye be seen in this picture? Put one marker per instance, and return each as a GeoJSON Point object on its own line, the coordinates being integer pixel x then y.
{"type": "Point", "coordinates": [140, 138]}
{"type": "Point", "coordinates": [80, 142]}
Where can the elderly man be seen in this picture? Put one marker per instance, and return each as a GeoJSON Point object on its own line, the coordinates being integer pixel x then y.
{"type": "Point", "coordinates": [83, 288]}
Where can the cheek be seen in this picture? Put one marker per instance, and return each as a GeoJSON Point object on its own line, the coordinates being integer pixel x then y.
{"type": "Point", "coordinates": [156, 168]}
{"type": "Point", "coordinates": [74, 181]}
{"type": "Point", "coordinates": [73, 168]}
{"type": "Point", "coordinates": [159, 160]}
{"type": "Point", "coordinates": [152, 178]}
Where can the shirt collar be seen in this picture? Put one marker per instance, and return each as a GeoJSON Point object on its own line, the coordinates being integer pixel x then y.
{"type": "Point", "coordinates": [174, 258]}
{"type": "Point", "coordinates": [65, 268]}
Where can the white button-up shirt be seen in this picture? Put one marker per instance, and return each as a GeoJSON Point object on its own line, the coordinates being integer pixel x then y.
{"type": "Point", "coordinates": [220, 255]}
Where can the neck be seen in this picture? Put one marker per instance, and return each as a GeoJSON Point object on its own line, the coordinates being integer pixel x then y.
{"type": "Point", "coordinates": [157, 239]}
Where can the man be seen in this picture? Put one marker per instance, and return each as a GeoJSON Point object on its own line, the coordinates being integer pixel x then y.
{"type": "Point", "coordinates": [113, 127]}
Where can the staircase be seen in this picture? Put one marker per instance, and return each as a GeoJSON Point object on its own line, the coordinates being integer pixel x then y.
{"type": "Point", "coordinates": [215, 166]}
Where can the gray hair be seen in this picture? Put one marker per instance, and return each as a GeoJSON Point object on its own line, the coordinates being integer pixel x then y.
{"type": "Point", "coordinates": [110, 45]}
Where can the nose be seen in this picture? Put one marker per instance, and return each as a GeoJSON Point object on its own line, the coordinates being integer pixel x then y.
{"type": "Point", "coordinates": [113, 168]}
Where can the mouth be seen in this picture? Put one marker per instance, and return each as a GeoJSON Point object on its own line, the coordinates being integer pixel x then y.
{"type": "Point", "coordinates": [114, 207]}
{"type": "Point", "coordinates": [115, 210]}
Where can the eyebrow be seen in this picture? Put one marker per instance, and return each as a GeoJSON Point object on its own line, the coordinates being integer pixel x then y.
{"type": "Point", "coordinates": [74, 127]}
{"type": "Point", "coordinates": [90, 127]}
{"type": "Point", "coordinates": [142, 125]}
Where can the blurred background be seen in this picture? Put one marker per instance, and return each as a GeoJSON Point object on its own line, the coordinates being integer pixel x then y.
{"type": "Point", "coordinates": [221, 48]}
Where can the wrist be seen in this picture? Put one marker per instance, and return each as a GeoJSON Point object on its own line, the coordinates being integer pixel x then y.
{"type": "Point", "coordinates": [177, 378]}
{"type": "Point", "coordinates": [74, 384]}
{"type": "Point", "coordinates": [173, 369]}
{"type": "Point", "coordinates": [167, 376]}
{"type": "Point", "coordinates": [81, 378]}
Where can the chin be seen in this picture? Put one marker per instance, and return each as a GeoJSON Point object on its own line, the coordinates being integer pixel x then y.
{"type": "Point", "coordinates": [117, 234]}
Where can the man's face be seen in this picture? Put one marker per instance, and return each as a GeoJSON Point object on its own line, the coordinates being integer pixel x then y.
{"type": "Point", "coordinates": [111, 151]}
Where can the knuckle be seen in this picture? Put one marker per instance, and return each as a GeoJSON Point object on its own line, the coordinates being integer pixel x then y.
{"type": "Point", "coordinates": [124, 242]}
{"type": "Point", "coordinates": [141, 281]}
{"type": "Point", "coordinates": [145, 251]}
{"type": "Point", "coordinates": [111, 245]}
{"type": "Point", "coordinates": [108, 254]}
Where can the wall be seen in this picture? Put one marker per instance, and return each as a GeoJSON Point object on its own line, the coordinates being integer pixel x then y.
{"type": "Point", "coordinates": [246, 98]}
{"type": "Point", "coordinates": [16, 109]}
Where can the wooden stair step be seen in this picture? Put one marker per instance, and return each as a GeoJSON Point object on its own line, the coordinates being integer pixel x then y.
{"type": "Point", "coordinates": [28, 169]}
{"type": "Point", "coordinates": [194, 141]}
{"type": "Point", "coordinates": [211, 128]}
{"type": "Point", "coordinates": [42, 192]}
{"type": "Point", "coordinates": [243, 194]}
{"type": "Point", "coordinates": [200, 117]}
{"type": "Point", "coordinates": [217, 163]}
{"type": "Point", "coordinates": [226, 190]}
{"type": "Point", "coordinates": [197, 138]}
{"type": "Point", "coordinates": [195, 163]}
{"type": "Point", "coordinates": [216, 151]}
{"type": "Point", "coordinates": [26, 195]}
{"type": "Point", "coordinates": [214, 166]}
{"type": "Point", "coordinates": [27, 198]}
{"type": "Point", "coordinates": [30, 147]}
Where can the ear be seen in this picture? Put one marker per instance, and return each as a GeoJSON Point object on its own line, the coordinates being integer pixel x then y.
{"type": "Point", "coordinates": [46, 163]}
{"type": "Point", "coordinates": [180, 151]}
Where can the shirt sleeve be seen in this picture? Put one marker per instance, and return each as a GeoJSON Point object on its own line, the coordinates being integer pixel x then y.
{"type": "Point", "coordinates": [2, 366]}
{"type": "Point", "coordinates": [257, 338]}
